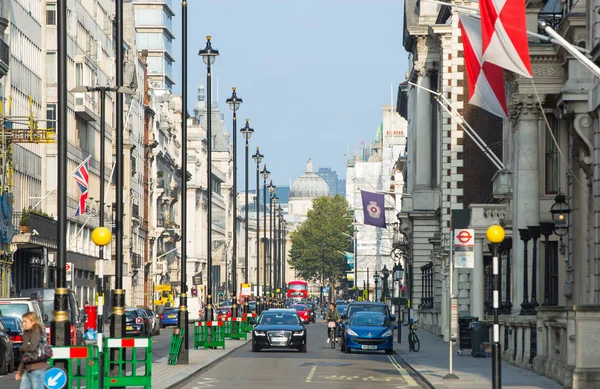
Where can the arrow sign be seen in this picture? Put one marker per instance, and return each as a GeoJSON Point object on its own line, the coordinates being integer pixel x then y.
{"type": "Point", "coordinates": [55, 378]}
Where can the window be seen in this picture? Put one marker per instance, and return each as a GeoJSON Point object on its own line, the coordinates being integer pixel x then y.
{"type": "Point", "coordinates": [78, 74]}
{"type": "Point", "coordinates": [51, 14]}
{"type": "Point", "coordinates": [51, 116]}
{"type": "Point", "coordinates": [551, 157]}
{"type": "Point", "coordinates": [51, 67]}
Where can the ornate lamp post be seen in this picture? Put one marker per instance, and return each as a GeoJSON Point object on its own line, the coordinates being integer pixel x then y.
{"type": "Point", "coordinates": [234, 104]}
{"type": "Point", "coordinates": [322, 276]}
{"type": "Point", "coordinates": [560, 216]}
{"type": "Point", "coordinates": [257, 157]}
{"type": "Point", "coordinates": [385, 273]}
{"type": "Point", "coordinates": [284, 258]}
{"type": "Point", "coordinates": [280, 219]}
{"type": "Point", "coordinates": [208, 55]}
{"type": "Point", "coordinates": [265, 174]}
{"type": "Point", "coordinates": [398, 274]}
{"type": "Point", "coordinates": [495, 234]}
{"type": "Point", "coordinates": [271, 189]}
{"type": "Point", "coordinates": [376, 280]}
{"type": "Point", "coordinates": [246, 133]}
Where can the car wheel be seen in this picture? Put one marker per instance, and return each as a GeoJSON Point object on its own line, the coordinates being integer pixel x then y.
{"type": "Point", "coordinates": [255, 349]}
{"type": "Point", "coordinates": [158, 332]}
{"type": "Point", "coordinates": [347, 349]}
{"type": "Point", "coordinates": [389, 352]}
{"type": "Point", "coordinates": [4, 368]}
{"type": "Point", "coordinates": [303, 349]}
{"type": "Point", "coordinates": [342, 346]}
{"type": "Point", "coordinates": [11, 365]}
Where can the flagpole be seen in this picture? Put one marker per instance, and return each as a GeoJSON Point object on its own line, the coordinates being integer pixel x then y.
{"type": "Point", "coordinates": [70, 174]}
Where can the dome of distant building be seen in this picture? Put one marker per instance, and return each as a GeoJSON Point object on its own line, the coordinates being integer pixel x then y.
{"type": "Point", "coordinates": [310, 185]}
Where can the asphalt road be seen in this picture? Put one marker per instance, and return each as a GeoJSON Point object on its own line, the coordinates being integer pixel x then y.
{"type": "Point", "coordinates": [320, 367]}
{"type": "Point", "coordinates": [160, 349]}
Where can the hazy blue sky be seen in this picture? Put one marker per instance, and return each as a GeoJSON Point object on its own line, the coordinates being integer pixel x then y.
{"type": "Point", "coordinates": [313, 74]}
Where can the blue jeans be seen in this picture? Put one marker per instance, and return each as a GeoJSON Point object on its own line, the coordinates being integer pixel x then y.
{"type": "Point", "coordinates": [33, 379]}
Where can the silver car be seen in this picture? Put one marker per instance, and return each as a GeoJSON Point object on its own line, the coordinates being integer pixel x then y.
{"type": "Point", "coordinates": [154, 321]}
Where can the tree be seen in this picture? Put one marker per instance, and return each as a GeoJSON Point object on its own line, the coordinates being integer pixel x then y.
{"type": "Point", "coordinates": [320, 236]}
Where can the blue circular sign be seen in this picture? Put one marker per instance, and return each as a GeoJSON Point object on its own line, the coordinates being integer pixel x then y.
{"type": "Point", "coordinates": [55, 378]}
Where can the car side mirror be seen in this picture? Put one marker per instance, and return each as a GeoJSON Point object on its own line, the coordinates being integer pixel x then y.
{"type": "Point", "coordinates": [45, 317]}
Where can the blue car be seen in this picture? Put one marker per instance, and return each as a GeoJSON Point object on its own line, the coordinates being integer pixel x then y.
{"type": "Point", "coordinates": [370, 331]}
{"type": "Point", "coordinates": [169, 317]}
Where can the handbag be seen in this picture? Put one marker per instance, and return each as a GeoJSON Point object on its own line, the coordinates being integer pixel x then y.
{"type": "Point", "coordinates": [42, 353]}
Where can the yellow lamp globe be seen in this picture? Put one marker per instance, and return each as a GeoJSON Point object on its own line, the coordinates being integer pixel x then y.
{"type": "Point", "coordinates": [495, 234]}
{"type": "Point", "coordinates": [101, 236]}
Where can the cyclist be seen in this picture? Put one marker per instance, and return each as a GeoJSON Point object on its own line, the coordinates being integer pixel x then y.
{"type": "Point", "coordinates": [331, 315]}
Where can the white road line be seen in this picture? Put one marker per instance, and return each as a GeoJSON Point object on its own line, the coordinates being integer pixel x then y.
{"type": "Point", "coordinates": [406, 375]}
{"type": "Point", "coordinates": [311, 374]}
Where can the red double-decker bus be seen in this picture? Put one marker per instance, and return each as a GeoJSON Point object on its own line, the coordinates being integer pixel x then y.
{"type": "Point", "coordinates": [297, 290]}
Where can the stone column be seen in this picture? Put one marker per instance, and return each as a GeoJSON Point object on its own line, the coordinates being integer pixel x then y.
{"type": "Point", "coordinates": [423, 129]}
{"type": "Point", "coordinates": [477, 298]}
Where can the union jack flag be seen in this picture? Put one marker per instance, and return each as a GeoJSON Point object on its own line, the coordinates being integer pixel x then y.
{"type": "Point", "coordinates": [82, 179]}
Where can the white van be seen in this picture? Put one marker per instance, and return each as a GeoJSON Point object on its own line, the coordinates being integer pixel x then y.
{"type": "Point", "coordinates": [195, 309]}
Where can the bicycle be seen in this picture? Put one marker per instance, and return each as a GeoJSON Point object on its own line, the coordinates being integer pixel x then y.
{"type": "Point", "coordinates": [413, 340]}
{"type": "Point", "coordinates": [332, 326]}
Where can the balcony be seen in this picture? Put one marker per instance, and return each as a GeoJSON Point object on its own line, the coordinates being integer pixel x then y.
{"type": "Point", "coordinates": [85, 106]}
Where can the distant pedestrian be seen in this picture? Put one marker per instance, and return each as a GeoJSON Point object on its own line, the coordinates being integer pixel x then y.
{"type": "Point", "coordinates": [31, 374]}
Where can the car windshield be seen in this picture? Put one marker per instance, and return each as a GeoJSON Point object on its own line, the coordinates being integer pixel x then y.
{"type": "Point", "coordinates": [376, 319]}
{"type": "Point", "coordinates": [169, 312]}
{"type": "Point", "coordinates": [131, 314]}
{"type": "Point", "coordinates": [341, 308]}
{"type": "Point", "coordinates": [299, 307]}
{"type": "Point", "coordinates": [10, 324]}
{"type": "Point", "coordinates": [352, 309]}
{"type": "Point", "coordinates": [223, 311]}
{"type": "Point", "coordinates": [279, 318]}
{"type": "Point", "coordinates": [15, 310]}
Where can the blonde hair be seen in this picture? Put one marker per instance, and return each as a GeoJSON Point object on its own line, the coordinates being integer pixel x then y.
{"type": "Point", "coordinates": [37, 323]}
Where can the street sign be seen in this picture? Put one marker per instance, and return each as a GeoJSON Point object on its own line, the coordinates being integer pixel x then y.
{"type": "Point", "coordinates": [69, 269]}
{"type": "Point", "coordinates": [464, 245]}
{"type": "Point", "coordinates": [55, 378]}
{"type": "Point", "coordinates": [246, 290]}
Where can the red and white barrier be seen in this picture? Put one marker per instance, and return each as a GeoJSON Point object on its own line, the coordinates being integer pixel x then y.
{"type": "Point", "coordinates": [70, 352]}
{"type": "Point", "coordinates": [209, 324]}
{"type": "Point", "coordinates": [238, 319]}
{"type": "Point", "coordinates": [128, 342]}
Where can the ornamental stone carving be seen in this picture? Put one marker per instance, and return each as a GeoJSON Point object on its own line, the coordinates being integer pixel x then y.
{"type": "Point", "coordinates": [525, 107]}
{"type": "Point", "coordinates": [583, 127]}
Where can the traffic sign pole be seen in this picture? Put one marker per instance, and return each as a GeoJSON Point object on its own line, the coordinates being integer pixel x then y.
{"type": "Point", "coordinates": [463, 238]}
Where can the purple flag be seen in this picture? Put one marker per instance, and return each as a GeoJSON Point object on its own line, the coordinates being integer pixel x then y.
{"type": "Point", "coordinates": [374, 208]}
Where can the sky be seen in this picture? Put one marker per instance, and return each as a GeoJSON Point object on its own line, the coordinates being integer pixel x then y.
{"type": "Point", "coordinates": [313, 74]}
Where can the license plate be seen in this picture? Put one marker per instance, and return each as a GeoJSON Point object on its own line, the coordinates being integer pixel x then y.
{"type": "Point", "coordinates": [172, 316]}
{"type": "Point", "coordinates": [129, 328]}
{"type": "Point", "coordinates": [279, 340]}
{"type": "Point", "coordinates": [367, 347]}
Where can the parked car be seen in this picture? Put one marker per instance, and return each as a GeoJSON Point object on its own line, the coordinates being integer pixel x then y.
{"type": "Point", "coordinates": [169, 317]}
{"type": "Point", "coordinates": [17, 307]}
{"type": "Point", "coordinates": [137, 322]}
{"type": "Point", "coordinates": [45, 297]}
{"type": "Point", "coordinates": [223, 313]}
{"type": "Point", "coordinates": [312, 307]}
{"type": "Point", "coordinates": [279, 328]}
{"type": "Point", "coordinates": [14, 329]}
{"type": "Point", "coordinates": [369, 331]}
{"type": "Point", "coordinates": [154, 320]}
{"type": "Point", "coordinates": [302, 311]}
{"type": "Point", "coordinates": [7, 356]}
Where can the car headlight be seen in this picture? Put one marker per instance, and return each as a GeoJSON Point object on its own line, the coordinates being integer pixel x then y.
{"type": "Point", "coordinates": [298, 333]}
{"type": "Point", "coordinates": [350, 332]}
{"type": "Point", "coordinates": [259, 333]}
{"type": "Point", "coordinates": [387, 333]}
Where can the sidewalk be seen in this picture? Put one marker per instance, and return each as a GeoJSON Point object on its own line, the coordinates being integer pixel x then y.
{"type": "Point", "coordinates": [165, 376]}
{"type": "Point", "coordinates": [431, 363]}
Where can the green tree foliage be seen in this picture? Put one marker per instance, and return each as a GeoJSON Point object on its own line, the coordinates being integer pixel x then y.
{"type": "Point", "coordinates": [320, 236]}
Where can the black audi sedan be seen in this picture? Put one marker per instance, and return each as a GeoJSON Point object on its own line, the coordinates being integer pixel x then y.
{"type": "Point", "coordinates": [279, 328]}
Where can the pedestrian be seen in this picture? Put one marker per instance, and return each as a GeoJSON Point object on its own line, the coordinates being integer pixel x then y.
{"type": "Point", "coordinates": [32, 374]}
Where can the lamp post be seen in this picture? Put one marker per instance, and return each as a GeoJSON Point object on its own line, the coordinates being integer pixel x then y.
{"type": "Point", "coordinates": [271, 189]}
{"type": "Point", "coordinates": [246, 133]}
{"type": "Point", "coordinates": [265, 174]}
{"type": "Point", "coordinates": [283, 253]}
{"type": "Point", "coordinates": [560, 211]}
{"type": "Point", "coordinates": [376, 280]}
{"type": "Point", "coordinates": [208, 55]}
{"type": "Point", "coordinates": [274, 260]}
{"type": "Point", "coordinates": [398, 274]}
{"type": "Point", "coordinates": [385, 273]}
{"type": "Point", "coordinates": [257, 157]}
{"type": "Point", "coordinates": [495, 234]}
{"type": "Point", "coordinates": [322, 276]}
{"type": "Point", "coordinates": [280, 219]}
{"type": "Point", "coordinates": [234, 103]}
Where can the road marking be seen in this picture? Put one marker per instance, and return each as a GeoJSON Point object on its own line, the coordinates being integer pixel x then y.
{"type": "Point", "coordinates": [406, 375]}
{"type": "Point", "coordinates": [205, 384]}
{"type": "Point", "coordinates": [311, 374]}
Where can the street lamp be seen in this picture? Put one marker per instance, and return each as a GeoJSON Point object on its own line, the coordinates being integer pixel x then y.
{"type": "Point", "coordinates": [271, 189]}
{"type": "Point", "coordinates": [398, 274]}
{"type": "Point", "coordinates": [322, 276]}
{"type": "Point", "coordinates": [560, 215]}
{"type": "Point", "coordinates": [208, 55]}
{"type": "Point", "coordinates": [495, 234]}
{"type": "Point", "coordinates": [234, 103]}
{"type": "Point", "coordinates": [274, 240]}
{"type": "Point", "coordinates": [376, 280]}
{"type": "Point", "coordinates": [257, 157]}
{"type": "Point", "coordinates": [283, 252]}
{"type": "Point", "coordinates": [265, 174]}
{"type": "Point", "coordinates": [246, 133]}
{"type": "Point", "coordinates": [385, 274]}
{"type": "Point", "coordinates": [280, 219]}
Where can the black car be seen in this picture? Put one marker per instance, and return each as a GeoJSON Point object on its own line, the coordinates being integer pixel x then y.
{"type": "Point", "coordinates": [312, 313]}
{"type": "Point", "coordinates": [279, 328]}
{"type": "Point", "coordinates": [14, 329]}
{"type": "Point", "coordinates": [137, 322]}
{"type": "Point", "coordinates": [7, 356]}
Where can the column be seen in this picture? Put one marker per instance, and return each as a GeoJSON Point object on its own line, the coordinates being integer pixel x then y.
{"type": "Point", "coordinates": [507, 304]}
{"type": "Point", "coordinates": [423, 129]}
{"type": "Point", "coordinates": [524, 233]}
{"type": "Point", "coordinates": [546, 229]}
{"type": "Point", "coordinates": [534, 232]}
{"type": "Point", "coordinates": [477, 297]}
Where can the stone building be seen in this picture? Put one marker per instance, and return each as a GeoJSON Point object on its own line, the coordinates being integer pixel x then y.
{"type": "Point", "coordinates": [550, 299]}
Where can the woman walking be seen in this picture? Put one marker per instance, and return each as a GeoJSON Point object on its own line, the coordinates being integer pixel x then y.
{"type": "Point", "coordinates": [32, 374]}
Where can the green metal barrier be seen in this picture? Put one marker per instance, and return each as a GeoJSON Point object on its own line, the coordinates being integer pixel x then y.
{"type": "Point", "coordinates": [133, 362]}
{"type": "Point", "coordinates": [209, 334]}
{"type": "Point", "coordinates": [82, 365]}
{"type": "Point", "coordinates": [176, 341]}
{"type": "Point", "coordinates": [250, 319]}
{"type": "Point", "coordinates": [237, 327]}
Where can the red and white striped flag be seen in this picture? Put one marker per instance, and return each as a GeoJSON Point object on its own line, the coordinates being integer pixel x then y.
{"type": "Point", "coordinates": [504, 35]}
{"type": "Point", "coordinates": [486, 80]}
